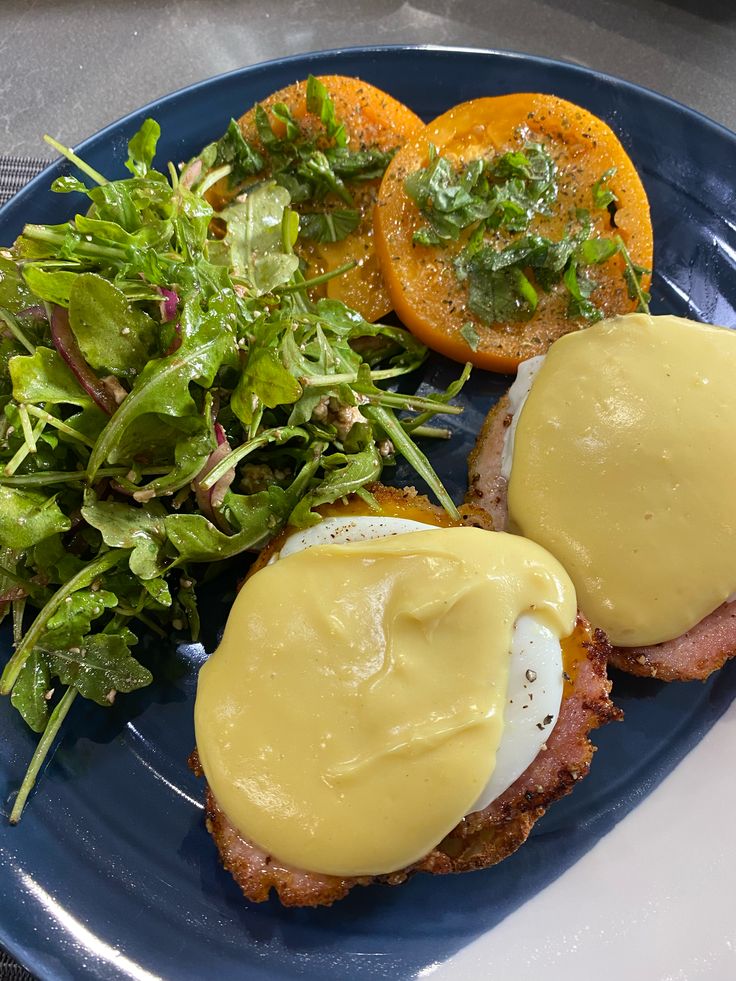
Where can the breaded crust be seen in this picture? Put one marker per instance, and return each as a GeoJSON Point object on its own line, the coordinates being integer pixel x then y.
{"type": "Point", "coordinates": [398, 502]}
{"type": "Point", "coordinates": [691, 657]}
{"type": "Point", "coordinates": [481, 839]}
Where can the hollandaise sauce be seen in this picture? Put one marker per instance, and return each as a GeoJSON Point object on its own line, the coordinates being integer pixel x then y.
{"type": "Point", "coordinates": [624, 466]}
{"type": "Point", "coordinates": [351, 715]}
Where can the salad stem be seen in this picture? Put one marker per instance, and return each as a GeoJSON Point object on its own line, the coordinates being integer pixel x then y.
{"type": "Point", "coordinates": [44, 745]}
{"type": "Point", "coordinates": [213, 178]}
{"type": "Point", "coordinates": [13, 464]}
{"type": "Point", "coordinates": [77, 161]}
{"type": "Point", "coordinates": [46, 477]}
{"type": "Point", "coordinates": [33, 410]}
{"type": "Point", "coordinates": [307, 284]}
{"type": "Point", "coordinates": [40, 233]}
{"type": "Point", "coordinates": [398, 401]}
{"type": "Point", "coordinates": [15, 329]}
{"type": "Point", "coordinates": [403, 443]}
{"type": "Point", "coordinates": [277, 435]}
{"type": "Point", "coordinates": [28, 433]}
{"type": "Point", "coordinates": [25, 584]}
{"type": "Point", "coordinates": [431, 432]}
{"type": "Point", "coordinates": [19, 607]}
{"type": "Point", "coordinates": [83, 578]}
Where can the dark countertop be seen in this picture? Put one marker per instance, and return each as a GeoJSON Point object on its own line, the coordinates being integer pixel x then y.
{"type": "Point", "coordinates": [69, 68]}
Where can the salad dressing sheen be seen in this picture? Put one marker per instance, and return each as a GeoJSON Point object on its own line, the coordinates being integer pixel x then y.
{"type": "Point", "coordinates": [623, 467]}
{"type": "Point", "coordinates": [351, 715]}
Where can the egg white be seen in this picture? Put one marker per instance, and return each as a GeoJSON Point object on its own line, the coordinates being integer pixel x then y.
{"type": "Point", "coordinates": [535, 680]}
{"type": "Point", "coordinates": [518, 394]}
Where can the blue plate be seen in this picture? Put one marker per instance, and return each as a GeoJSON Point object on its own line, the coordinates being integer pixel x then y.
{"type": "Point", "coordinates": [111, 873]}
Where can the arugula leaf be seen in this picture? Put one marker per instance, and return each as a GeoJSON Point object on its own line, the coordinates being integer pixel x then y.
{"type": "Point", "coordinates": [233, 149]}
{"type": "Point", "coordinates": [190, 454]}
{"type": "Point", "coordinates": [112, 335]}
{"type": "Point", "coordinates": [15, 294]}
{"type": "Point", "coordinates": [54, 287]}
{"type": "Point", "coordinates": [266, 380]}
{"type": "Point", "coordinates": [345, 474]}
{"type": "Point", "coordinates": [254, 238]}
{"type": "Point", "coordinates": [27, 517]}
{"type": "Point", "coordinates": [29, 695]}
{"type": "Point", "coordinates": [44, 377]}
{"type": "Point", "coordinates": [87, 575]}
{"type": "Point", "coordinates": [162, 387]}
{"type": "Point", "coordinates": [100, 667]}
{"type": "Point", "coordinates": [197, 540]}
{"type": "Point", "coordinates": [142, 148]}
{"type": "Point", "coordinates": [72, 621]}
{"type": "Point", "coordinates": [140, 529]}
{"type": "Point", "coordinates": [66, 184]}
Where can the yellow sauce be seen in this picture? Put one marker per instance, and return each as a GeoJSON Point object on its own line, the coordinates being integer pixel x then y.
{"type": "Point", "coordinates": [351, 714]}
{"type": "Point", "coordinates": [624, 467]}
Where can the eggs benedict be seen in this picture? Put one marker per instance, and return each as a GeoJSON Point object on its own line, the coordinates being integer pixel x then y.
{"type": "Point", "coordinates": [614, 452]}
{"type": "Point", "coordinates": [381, 698]}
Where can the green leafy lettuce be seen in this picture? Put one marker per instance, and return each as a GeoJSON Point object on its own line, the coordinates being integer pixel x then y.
{"type": "Point", "coordinates": [169, 396]}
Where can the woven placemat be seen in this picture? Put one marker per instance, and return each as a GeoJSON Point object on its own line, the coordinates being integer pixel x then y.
{"type": "Point", "coordinates": [14, 173]}
{"type": "Point", "coordinates": [10, 970]}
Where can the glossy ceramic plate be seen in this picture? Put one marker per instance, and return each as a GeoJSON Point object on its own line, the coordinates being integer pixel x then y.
{"type": "Point", "coordinates": [111, 873]}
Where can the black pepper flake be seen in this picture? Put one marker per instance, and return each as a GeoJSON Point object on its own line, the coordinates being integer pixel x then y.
{"type": "Point", "coordinates": [531, 675]}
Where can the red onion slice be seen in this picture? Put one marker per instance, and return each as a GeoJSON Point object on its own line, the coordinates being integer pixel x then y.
{"type": "Point", "coordinates": [66, 344]}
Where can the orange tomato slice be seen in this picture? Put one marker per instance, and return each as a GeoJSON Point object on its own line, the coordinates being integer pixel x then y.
{"type": "Point", "coordinates": [424, 287]}
{"type": "Point", "coordinates": [373, 119]}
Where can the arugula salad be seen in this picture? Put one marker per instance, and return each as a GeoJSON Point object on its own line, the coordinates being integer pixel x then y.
{"type": "Point", "coordinates": [171, 397]}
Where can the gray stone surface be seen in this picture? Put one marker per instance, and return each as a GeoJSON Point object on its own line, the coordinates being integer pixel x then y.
{"type": "Point", "coordinates": [69, 68]}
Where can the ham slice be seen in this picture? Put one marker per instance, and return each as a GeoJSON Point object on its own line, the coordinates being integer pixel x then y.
{"type": "Point", "coordinates": [693, 656]}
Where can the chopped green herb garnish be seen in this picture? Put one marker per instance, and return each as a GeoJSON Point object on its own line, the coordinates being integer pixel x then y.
{"type": "Point", "coordinates": [603, 195]}
{"type": "Point", "coordinates": [503, 192]}
{"type": "Point", "coordinates": [507, 192]}
{"type": "Point", "coordinates": [312, 168]}
{"type": "Point", "coordinates": [470, 335]}
{"type": "Point", "coordinates": [328, 226]}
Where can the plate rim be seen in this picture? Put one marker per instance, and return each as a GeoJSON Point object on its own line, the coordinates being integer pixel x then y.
{"type": "Point", "coordinates": [22, 953]}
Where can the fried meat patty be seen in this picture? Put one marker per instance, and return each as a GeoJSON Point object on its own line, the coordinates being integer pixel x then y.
{"type": "Point", "coordinates": [480, 839]}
